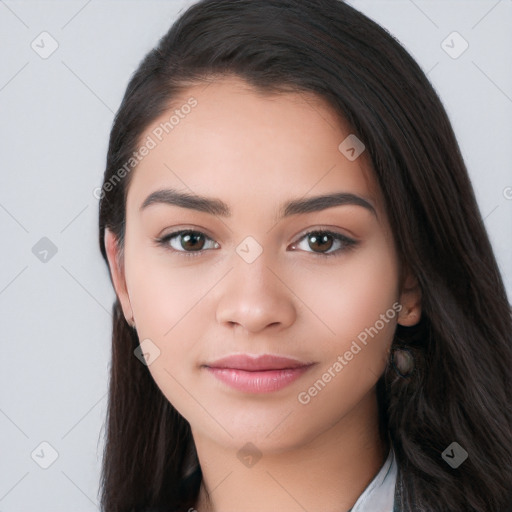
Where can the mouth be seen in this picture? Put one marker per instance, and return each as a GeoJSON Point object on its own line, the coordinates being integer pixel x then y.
{"type": "Point", "coordinates": [257, 374]}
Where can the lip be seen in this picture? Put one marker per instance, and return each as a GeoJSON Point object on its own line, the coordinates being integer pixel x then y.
{"type": "Point", "coordinates": [261, 362]}
{"type": "Point", "coordinates": [257, 374]}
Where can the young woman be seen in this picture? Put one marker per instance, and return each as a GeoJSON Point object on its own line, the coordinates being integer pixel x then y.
{"type": "Point", "coordinates": [309, 314]}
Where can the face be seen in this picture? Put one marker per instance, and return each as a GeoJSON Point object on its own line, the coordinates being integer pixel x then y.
{"type": "Point", "coordinates": [317, 282]}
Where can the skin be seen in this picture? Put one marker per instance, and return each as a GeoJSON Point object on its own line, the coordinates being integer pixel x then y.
{"type": "Point", "coordinates": [254, 152]}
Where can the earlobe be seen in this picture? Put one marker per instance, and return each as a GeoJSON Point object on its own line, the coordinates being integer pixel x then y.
{"type": "Point", "coordinates": [117, 272]}
{"type": "Point", "coordinates": [410, 299]}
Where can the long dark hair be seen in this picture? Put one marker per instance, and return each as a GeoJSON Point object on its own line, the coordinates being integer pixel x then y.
{"type": "Point", "coordinates": [460, 388]}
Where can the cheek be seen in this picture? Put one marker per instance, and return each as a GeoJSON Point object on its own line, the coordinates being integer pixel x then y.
{"type": "Point", "coordinates": [351, 294]}
{"type": "Point", "coordinates": [369, 290]}
{"type": "Point", "coordinates": [163, 291]}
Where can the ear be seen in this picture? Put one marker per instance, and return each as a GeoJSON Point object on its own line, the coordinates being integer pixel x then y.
{"type": "Point", "coordinates": [117, 272]}
{"type": "Point", "coordinates": [410, 299]}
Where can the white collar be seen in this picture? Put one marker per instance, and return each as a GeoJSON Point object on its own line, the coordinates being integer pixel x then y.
{"type": "Point", "coordinates": [379, 496]}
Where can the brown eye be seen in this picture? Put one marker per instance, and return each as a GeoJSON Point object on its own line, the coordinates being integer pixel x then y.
{"type": "Point", "coordinates": [192, 241]}
{"type": "Point", "coordinates": [321, 243]}
{"type": "Point", "coordinates": [187, 242]}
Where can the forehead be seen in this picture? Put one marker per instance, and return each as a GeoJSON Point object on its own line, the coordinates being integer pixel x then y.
{"type": "Point", "coordinates": [227, 137]}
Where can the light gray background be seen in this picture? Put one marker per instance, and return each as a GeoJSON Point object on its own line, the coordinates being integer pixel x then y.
{"type": "Point", "coordinates": [55, 119]}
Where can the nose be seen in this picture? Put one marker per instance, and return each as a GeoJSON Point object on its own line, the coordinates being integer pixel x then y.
{"type": "Point", "coordinates": [255, 296]}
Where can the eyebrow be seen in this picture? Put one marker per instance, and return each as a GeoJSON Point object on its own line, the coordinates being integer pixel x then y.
{"type": "Point", "coordinates": [214, 206]}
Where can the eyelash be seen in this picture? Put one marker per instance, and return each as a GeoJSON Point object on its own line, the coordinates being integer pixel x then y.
{"type": "Point", "coordinates": [347, 243]}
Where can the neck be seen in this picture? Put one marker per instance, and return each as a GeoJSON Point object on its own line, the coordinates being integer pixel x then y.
{"type": "Point", "coordinates": [327, 472]}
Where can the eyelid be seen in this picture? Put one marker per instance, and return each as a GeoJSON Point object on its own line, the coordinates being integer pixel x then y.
{"type": "Point", "coordinates": [333, 230]}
